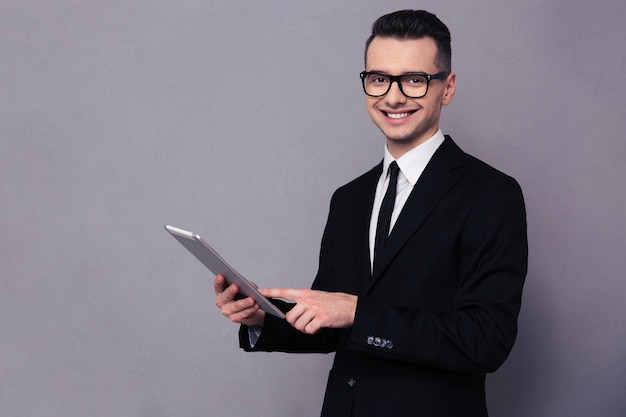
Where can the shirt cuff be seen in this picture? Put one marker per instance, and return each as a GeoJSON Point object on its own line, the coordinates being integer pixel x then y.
{"type": "Point", "coordinates": [253, 335]}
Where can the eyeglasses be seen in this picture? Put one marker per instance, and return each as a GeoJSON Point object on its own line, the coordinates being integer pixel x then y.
{"type": "Point", "coordinates": [412, 85]}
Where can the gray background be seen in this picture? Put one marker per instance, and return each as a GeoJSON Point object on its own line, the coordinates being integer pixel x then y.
{"type": "Point", "coordinates": [238, 120]}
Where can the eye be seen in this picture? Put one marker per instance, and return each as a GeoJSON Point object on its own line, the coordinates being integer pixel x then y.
{"type": "Point", "coordinates": [377, 79]}
{"type": "Point", "coordinates": [414, 80]}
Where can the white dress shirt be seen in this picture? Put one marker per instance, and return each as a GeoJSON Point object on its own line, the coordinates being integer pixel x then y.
{"type": "Point", "coordinates": [411, 165]}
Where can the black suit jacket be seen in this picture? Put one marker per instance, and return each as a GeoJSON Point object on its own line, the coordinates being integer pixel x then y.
{"type": "Point", "coordinates": [440, 309]}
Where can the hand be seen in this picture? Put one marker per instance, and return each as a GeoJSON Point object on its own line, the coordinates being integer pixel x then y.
{"type": "Point", "coordinates": [315, 310]}
{"type": "Point", "coordinates": [244, 311]}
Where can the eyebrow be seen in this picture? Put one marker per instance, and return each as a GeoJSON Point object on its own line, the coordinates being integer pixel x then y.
{"type": "Point", "coordinates": [404, 73]}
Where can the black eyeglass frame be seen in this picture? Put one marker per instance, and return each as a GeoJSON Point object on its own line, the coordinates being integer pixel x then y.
{"type": "Point", "coordinates": [396, 78]}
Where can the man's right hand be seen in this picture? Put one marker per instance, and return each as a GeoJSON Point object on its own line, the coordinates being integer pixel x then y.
{"type": "Point", "coordinates": [244, 311]}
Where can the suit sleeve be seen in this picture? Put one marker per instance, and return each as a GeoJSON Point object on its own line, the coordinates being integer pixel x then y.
{"type": "Point", "coordinates": [479, 331]}
{"type": "Point", "coordinates": [278, 335]}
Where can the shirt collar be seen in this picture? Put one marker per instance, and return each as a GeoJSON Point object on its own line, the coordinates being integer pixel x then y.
{"type": "Point", "coordinates": [413, 163]}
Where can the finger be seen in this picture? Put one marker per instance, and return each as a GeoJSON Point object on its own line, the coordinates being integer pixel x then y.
{"type": "Point", "coordinates": [249, 317]}
{"type": "Point", "coordinates": [302, 315]}
{"type": "Point", "coordinates": [236, 307]}
{"type": "Point", "coordinates": [227, 296]}
{"type": "Point", "coordinates": [243, 314]}
{"type": "Point", "coordinates": [295, 313]}
{"type": "Point", "coordinates": [255, 318]}
{"type": "Point", "coordinates": [305, 321]}
{"type": "Point", "coordinates": [230, 293]}
{"type": "Point", "coordinates": [285, 293]}
{"type": "Point", "coordinates": [219, 284]}
{"type": "Point", "coordinates": [312, 327]}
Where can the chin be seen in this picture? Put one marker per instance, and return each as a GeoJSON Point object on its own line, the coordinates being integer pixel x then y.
{"type": "Point", "coordinates": [400, 139]}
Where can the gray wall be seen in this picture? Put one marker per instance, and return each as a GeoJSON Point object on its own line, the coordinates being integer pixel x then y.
{"type": "Point", "coordinates": [238, 120]}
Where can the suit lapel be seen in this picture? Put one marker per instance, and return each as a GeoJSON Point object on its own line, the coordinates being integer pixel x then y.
{"type": "Point", "coordinates": [440, 175]}
{"type": "Point", "coordinates": [364, 201]}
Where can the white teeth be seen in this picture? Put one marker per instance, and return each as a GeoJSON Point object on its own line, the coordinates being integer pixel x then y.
{"type": "Point", "coordinates": [397, 115]}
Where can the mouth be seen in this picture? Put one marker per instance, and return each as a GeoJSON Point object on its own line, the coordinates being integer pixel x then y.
{"type": "Point", "coordinates": [397, 116]}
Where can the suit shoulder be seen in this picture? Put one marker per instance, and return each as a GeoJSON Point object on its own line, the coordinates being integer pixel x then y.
{"type": "Point", "coordinates": [479, 170]}
{"type": "Point", "coordinates": [483, 184]}
{"type": "Point", "coordinates": [473, 170]}
{"type": "Point", "coordinates": [362, 183]}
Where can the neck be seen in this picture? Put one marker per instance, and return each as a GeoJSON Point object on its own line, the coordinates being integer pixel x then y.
{"type": "Point", "coordinates": [397, 148]}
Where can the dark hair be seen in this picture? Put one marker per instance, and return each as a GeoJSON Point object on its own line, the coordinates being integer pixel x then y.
{"type": "Point", "coordinates": [415, 24]}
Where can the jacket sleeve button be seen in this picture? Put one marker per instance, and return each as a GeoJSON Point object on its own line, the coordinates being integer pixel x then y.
{"type": "Point", "coordinates": [352, 382]}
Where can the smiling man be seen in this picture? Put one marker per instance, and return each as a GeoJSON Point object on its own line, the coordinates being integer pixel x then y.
{"type": "Point", "coordinates": [406, 107]}
{"type": "Point", "coordinates": [422, 260]}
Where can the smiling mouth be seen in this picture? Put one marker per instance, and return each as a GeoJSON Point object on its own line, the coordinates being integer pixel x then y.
{"type": "Point", "coordinates": [398, 115]}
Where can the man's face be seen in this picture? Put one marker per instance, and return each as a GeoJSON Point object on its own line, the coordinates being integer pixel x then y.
{"type": "Point", "coordinates": [407, 122]}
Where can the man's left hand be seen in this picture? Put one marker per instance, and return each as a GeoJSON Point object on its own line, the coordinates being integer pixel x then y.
{"type": "Point", "coordinates": [315, 310]}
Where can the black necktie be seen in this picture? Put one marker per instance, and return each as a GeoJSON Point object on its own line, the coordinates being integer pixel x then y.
{"type": "Point", "coordinates": [386, 208]}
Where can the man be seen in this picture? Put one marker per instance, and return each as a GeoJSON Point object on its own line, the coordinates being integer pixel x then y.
{"type": "Point", "coordinates": [419, 315]}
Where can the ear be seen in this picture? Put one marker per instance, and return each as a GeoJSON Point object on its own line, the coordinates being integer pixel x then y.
{"type": "Point", "coordinates": [449, 89]}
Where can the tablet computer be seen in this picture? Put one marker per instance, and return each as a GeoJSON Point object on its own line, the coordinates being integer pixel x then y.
{"type": "Point", "coordinates": [216, 264]}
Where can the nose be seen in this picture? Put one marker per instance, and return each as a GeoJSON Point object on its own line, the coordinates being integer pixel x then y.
{"type": "Point", "coordinates": [395, 96]}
